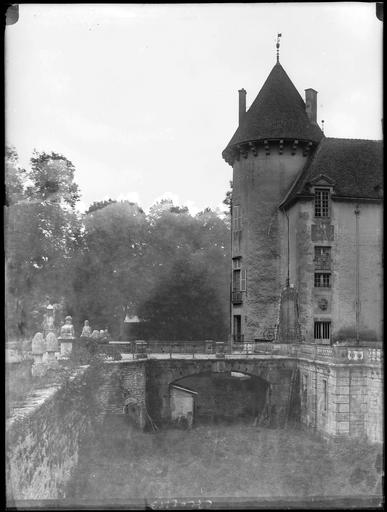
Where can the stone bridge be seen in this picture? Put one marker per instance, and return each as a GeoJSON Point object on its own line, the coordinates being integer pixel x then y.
{"type": "Point", "coordinates": [274, 374]}
{"type": "Point", "coordinates": [335, 390]}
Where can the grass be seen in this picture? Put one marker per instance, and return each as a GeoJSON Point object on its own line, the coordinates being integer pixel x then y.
{"type": "Point", "coordinates": [237, 461]}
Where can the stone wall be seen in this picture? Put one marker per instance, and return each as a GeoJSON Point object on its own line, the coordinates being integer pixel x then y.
{"type": "Point", "coordinates": [119, 382]}
{"type": "Point", "coordinates": [44, 435]}
{"type": "Point", "coordinates": [259, 184]}
{"type": "Point", "coordinates": [43, 439]}
{"type": "Point", "coordinates": [341, 296]}
{"type": "Point", "coordinates": [348, 403]}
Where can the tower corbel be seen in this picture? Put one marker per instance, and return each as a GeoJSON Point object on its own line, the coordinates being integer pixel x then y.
{"type": "Point", "coordinates": [294, 147]}
{"type": "Point", "coordinates": [281, 146]}
{"type": "Point", "coordinates": [254, 148]}
{"type": "Point", "coordinates": [267, 147]}
{"type": "Point", "coordinates": [244, 150]}
{"type": "Point", "coordinates": [307, 148]}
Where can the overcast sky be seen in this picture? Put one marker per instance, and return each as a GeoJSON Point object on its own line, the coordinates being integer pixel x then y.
{"type": "Point", "coordinates": [143, 98]}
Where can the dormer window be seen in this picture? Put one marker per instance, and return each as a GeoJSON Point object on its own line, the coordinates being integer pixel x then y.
{"type": "Point", "coordinates": [321, 202]}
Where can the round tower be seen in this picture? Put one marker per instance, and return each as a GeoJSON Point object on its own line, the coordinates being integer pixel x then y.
{"type": "Point", "coordinates": [268, 152]}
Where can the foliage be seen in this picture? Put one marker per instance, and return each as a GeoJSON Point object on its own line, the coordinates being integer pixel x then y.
{"type": "Point", "coordinates": [52, 177]}
{"type": "Point", "coordinates": [184, 306]}
{"type": "Point", "coordinates": [112, 261]}
{"type": "Point", "coordinates": [42, 232]}
{"type": "Point", "coordinates": [98, 205]}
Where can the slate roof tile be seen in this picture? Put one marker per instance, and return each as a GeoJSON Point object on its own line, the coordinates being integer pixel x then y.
{"type": "Point", "coordinates": [278, 112]}
{"type": "Point", "coordinates": [354, 165]}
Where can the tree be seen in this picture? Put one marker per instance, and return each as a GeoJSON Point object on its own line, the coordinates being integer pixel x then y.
{"type": "Point", "coordinates": [110, 273]}
{"type": "Point", "coordinates": [184, 306]}
{"type": "Point", "coordinates": [201, 245]}
{"type": "Point", "coordinates": [97, 205]}
{"type": "Point", "coordinates": [52, 177]}
{"type": "Point", "coordinates": [42, 231]}
{"type": "Point", "coordinates": [14, 177]}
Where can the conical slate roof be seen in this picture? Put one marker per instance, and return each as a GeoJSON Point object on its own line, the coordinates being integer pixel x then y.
{"type": "Point", "coordinates": [278, 112]}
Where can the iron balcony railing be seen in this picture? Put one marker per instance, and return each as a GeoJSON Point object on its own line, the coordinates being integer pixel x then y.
{"type": "Point", "coordinates": [322, 263]}
{"type": "Point", "coordinates": [237, 297]}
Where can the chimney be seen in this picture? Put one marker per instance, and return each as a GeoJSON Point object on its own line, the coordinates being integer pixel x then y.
{"type": "Point", "coordinates": [311, 104]}
{"type": "Point", "coordinates": [242, 105]}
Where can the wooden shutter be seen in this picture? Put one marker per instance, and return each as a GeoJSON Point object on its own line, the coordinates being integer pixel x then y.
{"type": "Point", "coordinates": [243, 280]}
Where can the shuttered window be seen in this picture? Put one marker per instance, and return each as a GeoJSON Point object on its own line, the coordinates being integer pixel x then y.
{"type": "Point", "coordinates": [243, 280]}
{"type": "Point", "coordinates": [325, 395]}
{"type": "Point", "coordinates": [239, 280]}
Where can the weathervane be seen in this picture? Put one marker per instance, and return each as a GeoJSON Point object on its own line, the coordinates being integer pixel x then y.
{"type": "Point", "coordinates": [278, 45]}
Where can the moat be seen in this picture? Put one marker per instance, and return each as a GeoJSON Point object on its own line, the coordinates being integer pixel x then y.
{"type": "Point", "coordinates": [239, 461]}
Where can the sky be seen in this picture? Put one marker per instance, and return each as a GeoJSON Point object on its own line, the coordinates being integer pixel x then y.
{"type": "Point", "coordinates": [144, 98]}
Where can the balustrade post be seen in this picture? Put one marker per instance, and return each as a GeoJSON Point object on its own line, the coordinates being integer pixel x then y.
{"type": "Point", "coordinates": [220, 349]}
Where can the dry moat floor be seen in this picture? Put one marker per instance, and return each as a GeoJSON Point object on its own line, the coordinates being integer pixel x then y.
{"type": "Point", "coordinates": [229, 461]}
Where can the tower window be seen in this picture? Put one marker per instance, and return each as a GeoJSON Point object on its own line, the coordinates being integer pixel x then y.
{"type": "Point", "coordinates": [321, 202]}
{"type": "Point", "coordinates": [239, 280]}
{"type": "Point", "coordinates": [236, 218]}
{"type": "Point", "coordinates": [236, 263]}
{"type": "Point", "coordinates": [305, 386]}
{"type": "Point", "coordinates": [322, 330]}
{"type": "Point", "coordinates": [322, 280]}
{"type": "Point", "coordinates": [325, 395]}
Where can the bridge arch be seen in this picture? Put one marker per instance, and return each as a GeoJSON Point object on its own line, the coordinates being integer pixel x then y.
{"type": "Point", "coordinates": [274, 375]}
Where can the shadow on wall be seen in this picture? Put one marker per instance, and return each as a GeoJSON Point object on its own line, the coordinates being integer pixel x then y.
{"type": "Point", "coordinates": [348, 334]}
{"type": "Point", "coordinates": [212, 397]}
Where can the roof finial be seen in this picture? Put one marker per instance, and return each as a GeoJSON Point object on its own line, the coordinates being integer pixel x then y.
{"type": "Point", "coordinates": [278, 45]}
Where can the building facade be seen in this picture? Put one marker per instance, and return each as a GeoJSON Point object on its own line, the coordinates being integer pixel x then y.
{"type": "Point", "coordinates": [307, 254]}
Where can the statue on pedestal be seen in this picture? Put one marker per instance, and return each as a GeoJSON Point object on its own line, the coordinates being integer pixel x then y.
{"type": "Point", "coordinates": [67, 330]}
{"type": "Point", "coordinates": [67, 335]}
{"type": "Point", "coordinates": [86, 330]}
{"type": "Point", "coordinates": [48, 323]}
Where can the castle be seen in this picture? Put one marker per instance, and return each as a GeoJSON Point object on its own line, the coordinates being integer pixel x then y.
{"type": "Point", "coordinates": [307, 255]}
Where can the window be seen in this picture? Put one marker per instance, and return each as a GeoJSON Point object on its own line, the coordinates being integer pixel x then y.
{"type": "Point", "coordinates": [236, 263]}
{"type": "Point", "coordinates": [304, 388]}
{"type": "Point", "coordinates": [236, 218]}
{"type": "Point", "coordinates": [237, 328]}
{"type": "Point", "coordinates": [322, 330]}
{"type": "Point", "coordinates": [236, 242]}
{"type": "Point", "coordinates": [322, 280]}
{"type": "Point", "coordinates": [236, 280]}
{"type": "Point", "coordinates": [239, 279]}
{"type": "Point", "coordinates": [325, 395]}
{"type": "Point", "coordinates": [321, 203]}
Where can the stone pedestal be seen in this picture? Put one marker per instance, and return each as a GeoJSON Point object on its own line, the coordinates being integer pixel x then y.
{"type": "Point", "coordinates": [66, 347]}
{"type": "Point", "coordinates": [51, 360]}
{"type": "Point", "coordinates": [38, 358]}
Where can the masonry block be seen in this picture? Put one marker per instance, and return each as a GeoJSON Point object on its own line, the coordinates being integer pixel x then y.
{"type": "Point", "coordinates": [341, 399]}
